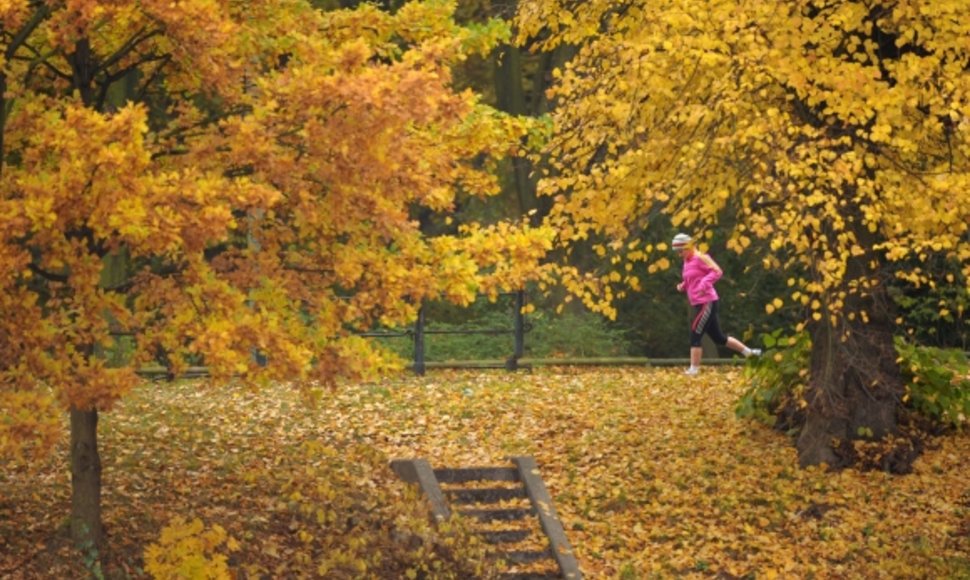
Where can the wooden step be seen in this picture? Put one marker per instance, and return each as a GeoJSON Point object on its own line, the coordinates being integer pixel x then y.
{"type": "Point", "coordinates": [505, 536]}
{"type": "Point", "coordinates": [527, 556]}
{"type": "Point", "coordinates": [486, 495]}
{"type": "Point", "coordinates": [526, 473]}
{"type": "Point", "coordinates": [497, 514]}
{"type": "Point", "coordinates": [468, 474]}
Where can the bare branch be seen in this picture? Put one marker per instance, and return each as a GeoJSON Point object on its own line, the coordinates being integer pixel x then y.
{"type": "Point", "coordinates": [49, 276]}
{"type": "Point", "coordinates": [127, 47]}
{"type": "Point", "coordinates": [41, 14]}
{"type": "Point", "coordinates": [165, 58]}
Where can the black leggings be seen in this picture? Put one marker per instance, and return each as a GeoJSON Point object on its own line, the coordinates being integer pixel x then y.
{"type": "Point", "coordinates": [705, 320]}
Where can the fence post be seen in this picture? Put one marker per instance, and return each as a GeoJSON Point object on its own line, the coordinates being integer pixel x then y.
{"type": "Point", "coordinates": [419, 367]}
{"type": "Point", "coordinates": [519, 331]}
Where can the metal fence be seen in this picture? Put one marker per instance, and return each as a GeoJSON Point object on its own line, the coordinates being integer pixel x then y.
{"type": "Point", "coordinates": [422, 329]}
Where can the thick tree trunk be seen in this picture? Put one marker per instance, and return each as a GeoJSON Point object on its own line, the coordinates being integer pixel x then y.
{"type": "Point", "coordinates": [86, 529]}
{"type": "Point", "coordinates": [855, 386]}
{"type": "Point", "coordinates": [511, 98]}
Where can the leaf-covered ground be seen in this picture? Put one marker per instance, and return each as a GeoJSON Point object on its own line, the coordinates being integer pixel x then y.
{"type": "Point", "coordinates": [652, 475]}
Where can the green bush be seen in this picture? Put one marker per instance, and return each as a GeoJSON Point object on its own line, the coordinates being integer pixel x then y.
{"type": "Point", "coordinates": [938, 382]}
{"type": "Point", "coordinates": [777, 379]}
{"type": "Point", "coordinates": [935, 314]}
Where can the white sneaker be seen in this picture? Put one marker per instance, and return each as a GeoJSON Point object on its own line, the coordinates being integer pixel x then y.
{"type": "Point", "coordinates": [692, 371]}
{"type": "Point", "coordinates": [755, 352]}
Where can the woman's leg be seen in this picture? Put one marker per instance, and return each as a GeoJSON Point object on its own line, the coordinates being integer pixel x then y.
{"type": "Point", "coordinates": [714, 330]}
{"type": "Point", "coordinates": [695, 358]}
{"type": "Point", "coordinates": [739, 347]}
{"type": "Point", "coordinates": [699, 324]}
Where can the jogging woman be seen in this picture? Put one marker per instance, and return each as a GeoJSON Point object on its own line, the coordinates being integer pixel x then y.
{"type": "Point", "coordinates": [699, 275]}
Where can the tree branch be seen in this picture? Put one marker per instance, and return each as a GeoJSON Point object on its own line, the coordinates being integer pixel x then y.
{"type": "Point", "coordinates": [41, 60]}
{"type": "Point", "coordinates": [21, 37]}
{"type": "Point", "coordinates": [49, 276]}
{"type": "Point", "coordinates": [111, 78]}
{"type": "Point", "coordinates": [126, 48]}
{"type": "Point", "coordinates": [165, 58]}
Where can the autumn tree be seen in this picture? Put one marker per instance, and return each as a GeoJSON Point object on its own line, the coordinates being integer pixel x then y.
{"type": "Point", "coordinates": [519, 79]}
{"type": "Point", "coordinates": [834, 133]}
{"type": "Point", "coordinates": [221, 180]}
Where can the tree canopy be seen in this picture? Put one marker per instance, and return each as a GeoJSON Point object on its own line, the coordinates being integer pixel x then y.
{"type": "Point", "coordinates": [233, 184]}
{"type": "Point", "coordinates": [835, 133]}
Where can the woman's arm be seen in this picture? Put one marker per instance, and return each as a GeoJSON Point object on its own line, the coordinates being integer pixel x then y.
{"type": "Point", "coordinates": [715, 274]}
{"type": "Point", "coordinates": [709, 261]}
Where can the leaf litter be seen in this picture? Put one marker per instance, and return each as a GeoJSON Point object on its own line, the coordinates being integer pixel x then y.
{"type": "Point", "coordinates": [651, 473]}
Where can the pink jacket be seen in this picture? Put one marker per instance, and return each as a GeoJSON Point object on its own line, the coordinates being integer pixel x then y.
{"type": "Point", "coordinates": [699, 279]}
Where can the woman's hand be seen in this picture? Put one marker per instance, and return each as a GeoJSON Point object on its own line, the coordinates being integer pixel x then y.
{"type": "Point", "coordinates": [680, 287]}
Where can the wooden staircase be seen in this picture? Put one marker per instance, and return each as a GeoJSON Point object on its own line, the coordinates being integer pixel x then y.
{"type": "Point", "coordinates": [512, 510]}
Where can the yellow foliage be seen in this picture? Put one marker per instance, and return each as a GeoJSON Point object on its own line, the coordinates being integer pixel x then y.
{"type": "Point", "coordinates": [236, 179]}
{"type": "Point", "coordinates": [837, 135]}
{"type": "Point", "coordinates": [29, 424]}
{"type": "Point", "coordinates": [189, 550]}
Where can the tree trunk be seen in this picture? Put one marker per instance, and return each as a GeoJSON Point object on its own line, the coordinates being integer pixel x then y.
{"type": "Point", "coordinates": [510, 97]}
{"type": "Point", "coordinates": [86, 529]}
{"type": "Point", "coordinates": [855, 385]}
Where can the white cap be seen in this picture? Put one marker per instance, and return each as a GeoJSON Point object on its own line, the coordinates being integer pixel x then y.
{"type": "Point", "coordinates": [681, 241]}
